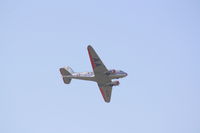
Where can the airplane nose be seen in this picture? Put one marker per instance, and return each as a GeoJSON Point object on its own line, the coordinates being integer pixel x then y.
{"type": "Point", "coordinates": [126, 74]}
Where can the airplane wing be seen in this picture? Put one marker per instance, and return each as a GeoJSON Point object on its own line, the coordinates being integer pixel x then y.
{"type": "Point", "coordinates": [101, 78]}
{"type": "Point", "coordinates": [96, 62]}
{"type": "Point", "coordinates": [106, 92]}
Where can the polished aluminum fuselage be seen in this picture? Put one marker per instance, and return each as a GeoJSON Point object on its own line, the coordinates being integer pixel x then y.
{"type": "Point", "coordinates": [91, 76]}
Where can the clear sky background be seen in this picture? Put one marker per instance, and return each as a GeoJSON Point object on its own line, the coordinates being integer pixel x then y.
{"type": "Point", "coordinates": [156, 42]}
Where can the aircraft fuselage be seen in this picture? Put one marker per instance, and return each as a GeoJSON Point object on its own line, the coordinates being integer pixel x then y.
{"type": "Point", "coordinates": [91, 76]}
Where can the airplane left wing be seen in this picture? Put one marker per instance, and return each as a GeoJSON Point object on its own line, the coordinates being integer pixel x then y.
{"type": "Point", "coordinates": [106, 92]}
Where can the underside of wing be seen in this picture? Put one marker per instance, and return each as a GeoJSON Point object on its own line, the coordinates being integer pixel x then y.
{"type": "Point", "coordinates": [106, 92]}
{"type": "Point", "coordinates": [96, 62]}
{"type": "Point", "coordinates": [100, 74]}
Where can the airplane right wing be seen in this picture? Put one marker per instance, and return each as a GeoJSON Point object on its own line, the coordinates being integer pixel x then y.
{"type": "Point", "coordinates": [97, 64]}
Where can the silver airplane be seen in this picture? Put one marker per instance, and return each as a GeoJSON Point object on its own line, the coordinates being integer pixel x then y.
{"type": "Point", "coordinates": [100, 74]}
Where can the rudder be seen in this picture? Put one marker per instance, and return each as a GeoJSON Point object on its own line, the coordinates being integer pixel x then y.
{"type": "Point", "coordinates": [66, 71]}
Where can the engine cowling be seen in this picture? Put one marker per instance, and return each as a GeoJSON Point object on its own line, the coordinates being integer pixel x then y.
{"type": "Point", "coordinates": [111, 72]}
{"type": "Point", "coordinates": [113, 83]}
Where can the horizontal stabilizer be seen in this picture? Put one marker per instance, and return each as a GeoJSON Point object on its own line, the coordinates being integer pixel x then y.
{"type": "Point", "coordinates": [66, 71]}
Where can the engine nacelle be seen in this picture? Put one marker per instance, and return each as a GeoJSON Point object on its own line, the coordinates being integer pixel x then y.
{"type": "Point", "coordinates": [111, 72]}
{"type": "Point", "coordinates": [113, 83]}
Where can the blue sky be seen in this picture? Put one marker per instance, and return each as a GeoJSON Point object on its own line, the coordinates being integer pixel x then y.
{"type": "Point", "coordinates": [155, 42]}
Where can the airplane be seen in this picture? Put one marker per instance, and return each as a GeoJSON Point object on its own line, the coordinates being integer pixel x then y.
{"type": "Point", "coordinates": [100, 74]}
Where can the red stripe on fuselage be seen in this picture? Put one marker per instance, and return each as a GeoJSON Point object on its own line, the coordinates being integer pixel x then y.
{"type": "Point", "coordinates": [91, 60]}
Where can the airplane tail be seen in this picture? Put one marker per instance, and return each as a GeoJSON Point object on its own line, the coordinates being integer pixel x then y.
{"type": "Point", "coordinates": [66, 71]}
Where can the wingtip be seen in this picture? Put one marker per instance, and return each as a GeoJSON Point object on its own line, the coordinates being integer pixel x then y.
{"type": "Point", "coordinates": [89, 46]}
{"type": "Point", "coordinates": [107, 101]}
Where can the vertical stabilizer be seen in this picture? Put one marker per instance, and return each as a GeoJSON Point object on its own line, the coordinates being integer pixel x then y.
{"type": "Point", "coordinates": [65, 72]}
